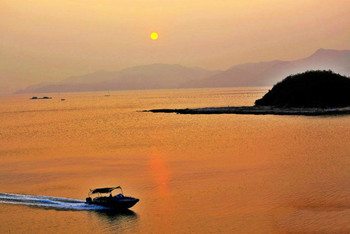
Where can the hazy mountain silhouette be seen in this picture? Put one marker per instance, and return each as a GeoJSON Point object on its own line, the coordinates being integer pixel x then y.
{"type": "Point", "coordinates": [269, 73]}
{"type": "Point", "coordinates": [163, 76]}
{"type": "Point", "coordinates": [155, 76]}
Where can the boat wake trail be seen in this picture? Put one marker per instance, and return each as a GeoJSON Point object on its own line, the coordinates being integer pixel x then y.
{"type": "Point", "coordinates": [58, 203]}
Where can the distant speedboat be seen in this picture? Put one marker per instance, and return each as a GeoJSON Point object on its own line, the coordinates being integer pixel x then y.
{"type": "Point", "coordinates": [119, 201]}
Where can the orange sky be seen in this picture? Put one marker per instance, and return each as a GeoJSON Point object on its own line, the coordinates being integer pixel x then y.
{"type": "Point", "coordinates": [49, 40]}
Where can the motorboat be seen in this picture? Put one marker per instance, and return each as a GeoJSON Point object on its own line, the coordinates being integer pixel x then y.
{"type": "Point", "coordinates": [118, 201]}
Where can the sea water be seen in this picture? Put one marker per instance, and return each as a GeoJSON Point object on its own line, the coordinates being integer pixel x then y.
{"type": "Point", "coordinates": [192, 173]}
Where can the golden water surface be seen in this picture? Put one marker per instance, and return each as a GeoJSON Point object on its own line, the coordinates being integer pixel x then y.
{"type": "Point", "coordinates": [192, 173]}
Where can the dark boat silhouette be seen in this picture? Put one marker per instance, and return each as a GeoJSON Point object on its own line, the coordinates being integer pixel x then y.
{"type": "Point", "coordinates": [35, 97]}
{"type": "Point", "coordinates": [119, 202]}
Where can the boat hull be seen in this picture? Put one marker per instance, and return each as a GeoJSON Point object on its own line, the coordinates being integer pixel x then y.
{"type": "Point", "coordinates": [114, 202]}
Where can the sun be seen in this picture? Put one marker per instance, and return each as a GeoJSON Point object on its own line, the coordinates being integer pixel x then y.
{"type": "Point", "coordinates": [154, 36]}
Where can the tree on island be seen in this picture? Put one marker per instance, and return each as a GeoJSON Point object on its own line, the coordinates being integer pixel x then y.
{"type": "Point", "coordinates": [319, 89]}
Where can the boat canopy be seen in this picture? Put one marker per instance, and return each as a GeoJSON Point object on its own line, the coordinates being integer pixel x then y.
{"type": "Point", "coordinates": [104, 190]}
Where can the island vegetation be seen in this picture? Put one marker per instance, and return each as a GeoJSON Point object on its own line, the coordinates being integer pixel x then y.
{"type": "Point", "coordinates": [321, 89]}
{"type": "Point", "coordinates": [308, 93]}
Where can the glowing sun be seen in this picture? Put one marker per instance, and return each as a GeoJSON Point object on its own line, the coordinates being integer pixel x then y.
{"type": "Point", "coordinates": [154, 36]}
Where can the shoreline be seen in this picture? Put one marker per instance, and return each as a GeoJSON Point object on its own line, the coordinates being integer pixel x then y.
{"type": "Point", "coordinates": [256, 110]}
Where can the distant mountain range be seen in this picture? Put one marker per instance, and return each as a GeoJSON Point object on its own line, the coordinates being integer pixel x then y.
{"type": "Point", "coordinates": [164, 76]}
{"type": "Point", "coordinates": [269, 73]}
{"type": "Point", "coordinates": [155, 76]}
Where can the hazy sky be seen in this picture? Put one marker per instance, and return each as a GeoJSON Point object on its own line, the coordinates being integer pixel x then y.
{"type": "Point", "coordinates": [49, 40]}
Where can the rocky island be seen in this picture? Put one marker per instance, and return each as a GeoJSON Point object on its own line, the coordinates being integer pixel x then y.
{"type": "Point", "coordinates": [308, 93]}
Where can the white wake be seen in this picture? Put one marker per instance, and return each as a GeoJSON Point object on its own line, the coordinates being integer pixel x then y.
{"type": "Point", "coordinates": [59, 203]}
